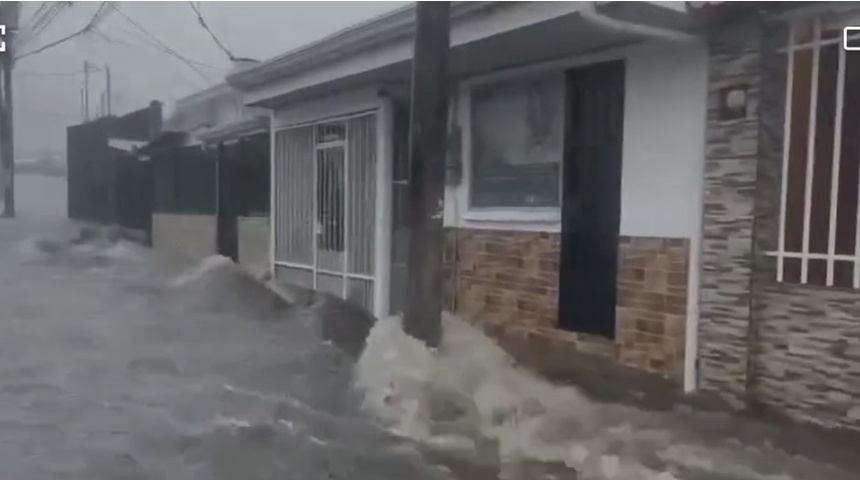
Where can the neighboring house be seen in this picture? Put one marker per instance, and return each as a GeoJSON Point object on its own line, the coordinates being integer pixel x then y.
{"type": "Point", "coordinates": [780, 305]}
{"type": "Point", "coordinates": [613, 189]}
{"type": "Point", "coordinates": [539, 201]}
{"type": "Point", "coordinates": [212, 180]}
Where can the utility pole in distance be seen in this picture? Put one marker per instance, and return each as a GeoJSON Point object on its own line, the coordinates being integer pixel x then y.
{"type": "Point", "coordinates": [86, 91]}
{"type": "Point", "coordinates": [107, 88]}
{"type": "Point", "coordinates": [428, 135]}
{"type": "Point", "coordinates": [9, 13]}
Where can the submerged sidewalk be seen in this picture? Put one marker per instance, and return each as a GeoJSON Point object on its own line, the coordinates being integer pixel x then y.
{"type": "Point", "coordinates": [606, 382]}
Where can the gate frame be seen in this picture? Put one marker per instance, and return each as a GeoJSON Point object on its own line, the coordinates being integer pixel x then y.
{"type": "Point", "coordinates": [382, 108]}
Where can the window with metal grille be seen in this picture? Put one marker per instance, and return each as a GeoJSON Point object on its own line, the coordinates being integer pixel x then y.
{"type": "Point", "coordinates": [819, 235]}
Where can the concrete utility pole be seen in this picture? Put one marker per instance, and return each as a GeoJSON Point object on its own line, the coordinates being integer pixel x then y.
{"type": "Point", "coordinates": [9, 13]}
{"type": "Point", "coordinates": [107, 88]}
{"type": "Point", "coordinates": [86, 91]}
{"type": "Point", "coordinates": [428, 135]}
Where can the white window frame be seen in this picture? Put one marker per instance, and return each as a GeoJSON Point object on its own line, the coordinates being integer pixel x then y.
{"type": "Point", "coordinates": [503, 213]}
{"type": "Point", "coordinates": [831, 257]}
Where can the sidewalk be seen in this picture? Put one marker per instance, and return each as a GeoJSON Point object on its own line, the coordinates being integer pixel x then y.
{"type": "Point", "coordinates": [606, 382]}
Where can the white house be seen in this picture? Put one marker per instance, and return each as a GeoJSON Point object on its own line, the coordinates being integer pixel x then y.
{"type": "Point", "coordinates": [574, 198]}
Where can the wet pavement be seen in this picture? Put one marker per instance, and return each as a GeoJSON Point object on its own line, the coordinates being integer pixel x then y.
{"type": "Point", "coordinates": [115, 364]}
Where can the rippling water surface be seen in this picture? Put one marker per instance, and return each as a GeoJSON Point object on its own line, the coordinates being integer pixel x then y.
{"type": "Point", "coordinates": [117, 365]}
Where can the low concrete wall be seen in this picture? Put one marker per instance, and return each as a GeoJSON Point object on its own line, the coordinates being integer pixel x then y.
{"type": "Point", "coordinates": [184, 236]}
{"type": "Point", "coordinates": [254, 239]}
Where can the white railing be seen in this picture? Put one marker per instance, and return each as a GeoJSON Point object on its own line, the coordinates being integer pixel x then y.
{"type": "Point", "coordinates": [812, 37]}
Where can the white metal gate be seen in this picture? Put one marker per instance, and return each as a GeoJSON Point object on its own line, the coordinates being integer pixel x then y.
{"type": "Point", "coordinates": [324, 207]}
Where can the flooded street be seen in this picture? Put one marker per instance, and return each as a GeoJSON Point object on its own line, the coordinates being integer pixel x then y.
{"type": "Point", "coordinates": [108, 370]}
{"type": "Point", "coordinates": [115, 365]}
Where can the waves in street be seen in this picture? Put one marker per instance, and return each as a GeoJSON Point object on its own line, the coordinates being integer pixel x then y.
{"type": "Point", "coordinates": [116, 364]}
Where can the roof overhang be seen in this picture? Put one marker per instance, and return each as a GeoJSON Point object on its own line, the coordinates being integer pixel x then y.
{"type": "Point", "coordinates": [234, 130]}
{"type": "Point", "coordinates": [216, 91]}
{"type": "Point", "coordinates": [485, 37]}
{"type": "Point", "coordinates": [380, 30]}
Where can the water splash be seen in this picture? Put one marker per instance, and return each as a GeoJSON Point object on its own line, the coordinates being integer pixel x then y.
{"type": "Point", "coordinates": [200, 270]}
{"type": "Point", "coordinates": [471, 395]}
{"type": "Point", "coordinates": [96, 248]}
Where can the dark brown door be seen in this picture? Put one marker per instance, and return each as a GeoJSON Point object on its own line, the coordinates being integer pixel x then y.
{"type": "Point", "coordinates": [591, 199]}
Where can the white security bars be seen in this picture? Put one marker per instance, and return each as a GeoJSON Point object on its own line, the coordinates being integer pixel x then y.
{"type": "Point", "coordinates": [325, 207]}
{"type": "Point", "coordinates": [819, 231]}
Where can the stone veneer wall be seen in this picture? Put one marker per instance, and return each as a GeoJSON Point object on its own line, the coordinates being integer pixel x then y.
{"type": "Point", "coordinates": [790, 347]}
{"type": "Point", "coordinates": [729, 200]}
{"type": "Point", "coordinates": [507, 283]}
{"type": "Point", "coordinates": [188, 237]}
{"type": "Point", "coordinates": [254, 239]}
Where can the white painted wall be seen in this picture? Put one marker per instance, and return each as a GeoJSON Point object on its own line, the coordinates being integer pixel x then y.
{"type": "Point", "coordinates": [337, 104]}
{"type": "Point", "coordinates": [504, 18]}
{"type": "Point", "coordinates": [664, 141]}
{"type": "Point", "coordinates": [663, 153]}
{"type": "Point", "coordinates": [225, 107]}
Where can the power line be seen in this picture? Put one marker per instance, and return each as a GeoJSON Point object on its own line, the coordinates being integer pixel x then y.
{"type": "Point", "coordinates": [161, 44]}
{"type": "Point", "coordinates": [100, 15]}
{"type": "Point", "coordinates": [47, 17]}
{"type": "Point", "coordinates": [35, 17]}
{"type": "Point", "coordinates": [203, 24]}
{"type": "Point", "coordinates": [55, 9]}
{"type": "Point", "coordinates": [47, 74]}
{"type": "Point", "coordinates": [142, 41]}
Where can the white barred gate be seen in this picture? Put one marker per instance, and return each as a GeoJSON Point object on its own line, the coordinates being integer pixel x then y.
{"type": "Point", "coordinates": [324, 207]}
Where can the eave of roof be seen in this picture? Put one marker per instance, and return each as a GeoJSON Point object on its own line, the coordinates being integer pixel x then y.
{"type": "Point", "coordinates": [362, 36]}
{"type": "Point", "coordinates": [232, 130]}
{"type": "Point", "coordinates": [220, 90]}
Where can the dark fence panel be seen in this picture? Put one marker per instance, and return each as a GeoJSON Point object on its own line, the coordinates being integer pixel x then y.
{"type": "Point", "coordinates": [243, 187]}
{"type": "Point", "coordinates": [184, 180]}
{"type": "Point", "coordinates": [252, 176]}
{"type": "Point", "coordinates": [134, 181]}
{"type": "Point", "coordinates": [108, 185]}
{"type": "Point", "coordinates": [89, 175]}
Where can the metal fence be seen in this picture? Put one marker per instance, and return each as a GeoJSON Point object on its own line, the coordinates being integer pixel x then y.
{"type": "Point", "coordinates": [325, 207]}
{"type": "Point", "coordinates": [184, 180]}
{"type": "Point", "coordinates": [108, 185]}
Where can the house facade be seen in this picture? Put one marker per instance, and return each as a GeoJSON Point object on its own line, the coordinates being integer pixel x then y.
{"type": "Point", "coordinates": [780, 308]}
{"type": "Point", "coordinates": [551, 99]}
{"type": "Point", "coordinates": [615, 190]}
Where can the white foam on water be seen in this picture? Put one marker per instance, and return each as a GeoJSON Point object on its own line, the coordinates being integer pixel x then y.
{"type": "Point", "coordinates": [124, 250]}
{"type": "Point", "coordinates": [470, 392]}
{"type": "Point", "coordinates": [32, 248]}
{"type": "Point", "coordinates": [200, 270]}
{"type": "Point", "coordinates": [231, 422]}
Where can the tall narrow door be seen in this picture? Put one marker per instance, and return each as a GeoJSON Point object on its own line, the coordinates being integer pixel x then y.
{"type": "Point", "coordinates": [591, 199]}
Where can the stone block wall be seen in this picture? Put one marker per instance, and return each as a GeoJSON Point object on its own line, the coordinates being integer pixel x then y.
{"type": "Point", "coordinates": [189, 237]}
{"type": "Point", "coordinates": [507, 283]}
{"type": "Point", "coordinates": [731, 163]}
{"type": "Point", "coordinates": [791, 348]}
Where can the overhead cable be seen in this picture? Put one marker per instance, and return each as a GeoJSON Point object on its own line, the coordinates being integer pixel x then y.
{"type": "Point", "coordinates": [161, 44]}
{"type": "Point", "coordinates": [97, 18]}
{"type": "Point", "coordinates": [203, 24]}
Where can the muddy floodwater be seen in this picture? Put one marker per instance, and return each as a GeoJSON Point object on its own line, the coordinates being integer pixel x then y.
{"type": "Point", "coordinates": [115, 364]}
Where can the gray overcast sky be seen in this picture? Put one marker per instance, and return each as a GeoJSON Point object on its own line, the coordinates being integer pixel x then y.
{"type": "Point", "coordinates": [48, 85]}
